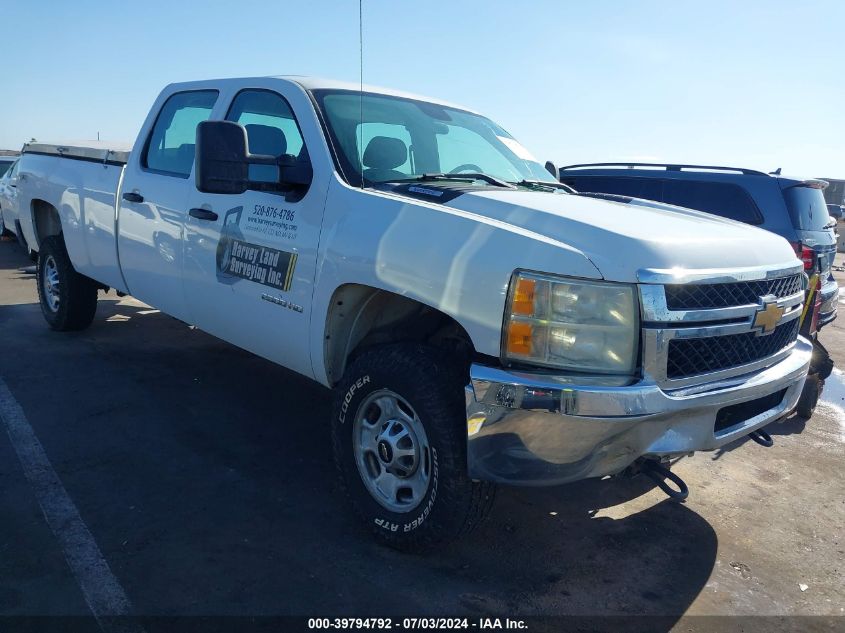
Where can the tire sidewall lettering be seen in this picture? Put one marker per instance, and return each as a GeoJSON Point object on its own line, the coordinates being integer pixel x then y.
{"type": "Point", "coordinates": [350, 393]}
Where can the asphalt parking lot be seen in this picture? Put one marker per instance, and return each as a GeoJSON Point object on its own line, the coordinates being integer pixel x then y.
{"type": "Point", "coordinates": [204, 476]}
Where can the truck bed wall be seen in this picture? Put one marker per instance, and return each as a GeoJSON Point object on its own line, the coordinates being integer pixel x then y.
{"type": "Point", "coordinates": [84, 193]}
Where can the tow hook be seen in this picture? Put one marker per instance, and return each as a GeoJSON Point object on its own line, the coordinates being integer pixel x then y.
{"type": "Point", "coordinates": [762, 438]}
{"type": "Point", "coordinates": [658, 473]}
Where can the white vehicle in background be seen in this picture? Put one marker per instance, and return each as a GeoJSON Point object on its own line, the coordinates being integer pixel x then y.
{"type": "Point", "coordinates": [476, 321]}
{"type": "Point", "coordinates": [8, 195]}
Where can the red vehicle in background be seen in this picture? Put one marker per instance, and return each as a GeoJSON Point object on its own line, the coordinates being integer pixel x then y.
{"type": "Point", "coordinates": [821, 364]}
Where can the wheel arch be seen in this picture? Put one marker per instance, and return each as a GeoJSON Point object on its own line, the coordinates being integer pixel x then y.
{"type": "Point", "coordinates": [361, 316]}
{"type": "Point", "coordinates": [46, 221]}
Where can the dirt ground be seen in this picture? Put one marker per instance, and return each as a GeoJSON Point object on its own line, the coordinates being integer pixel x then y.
{"type": "Point", "coordinates": [204, 476]}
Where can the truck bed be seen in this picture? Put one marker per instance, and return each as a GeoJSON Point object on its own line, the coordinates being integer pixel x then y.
{"type": "Point", "coordinates": [114, 153]}
{"type": "Point", "coordinates": [82, 182]}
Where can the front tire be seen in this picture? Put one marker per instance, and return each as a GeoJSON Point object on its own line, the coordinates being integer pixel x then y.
{"type": "Point", "coordinates": [399, 439]}
{"type": "Point", "coordinates": [809, 396]}
{"type": "Point", "coordinates": [68, 300]}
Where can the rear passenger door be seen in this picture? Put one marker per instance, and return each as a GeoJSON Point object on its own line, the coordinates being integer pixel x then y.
{"type": "Point", "coordinates": [250, 258]}
{"type": "Point", "coordinates": [719, 198]}
{"type": "Point", "coordinates": [153, 204]}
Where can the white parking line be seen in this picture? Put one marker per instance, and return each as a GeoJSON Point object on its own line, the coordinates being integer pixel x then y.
{"type": "Point", "coordinates": [103, 593]}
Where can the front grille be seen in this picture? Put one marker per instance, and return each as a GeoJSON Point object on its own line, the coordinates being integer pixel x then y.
{"type": "Point", "coordinates": [737, 413]}
{"type": "Point", "coordinates": [694, 356]}
{"type": "Point", "coordinates": [704, 296]}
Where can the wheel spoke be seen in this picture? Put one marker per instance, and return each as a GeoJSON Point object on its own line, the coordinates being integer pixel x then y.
{"type": "Point", "coordinates": [369, 441]}
{"type": "Point", "coordinates": [407, 419]}
{"type": "Point", "coordinates": [404, 452]}
{"type": "Point", "coordinates": [370, 426]}
{"type": "Point", "coordinates": [387, 406]}
{"type": "Point", "coordinates": [400, 434]}
{"type": "Point", "coordinates": [418, 485]}
{"type": "Point", "coordinates": [388, 484]}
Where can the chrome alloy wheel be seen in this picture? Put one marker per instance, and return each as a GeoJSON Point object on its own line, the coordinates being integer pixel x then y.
{"type": "Point", "coordinates": [391, 451]}
{"type": "Point", "coordinates": [50, 283]}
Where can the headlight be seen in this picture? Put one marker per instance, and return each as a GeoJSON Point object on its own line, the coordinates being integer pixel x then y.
{"type": "Point", "coordinates": [586, 326]}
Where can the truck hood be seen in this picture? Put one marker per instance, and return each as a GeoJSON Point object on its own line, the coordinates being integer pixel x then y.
{"type": "Point", "coordinates": [623, 237]}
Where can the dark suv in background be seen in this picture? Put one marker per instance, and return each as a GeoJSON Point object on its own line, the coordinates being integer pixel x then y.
{"type": "Point", "coordinates": [793, 208]}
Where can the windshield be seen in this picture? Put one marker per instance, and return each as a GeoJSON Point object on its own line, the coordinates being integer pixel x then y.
{"type": "Point", "coordinates": [807, 207]}
{"type": "Point", "coordinates": [401, 138]}
{"type": "Point", "coordinates": [4, 166]}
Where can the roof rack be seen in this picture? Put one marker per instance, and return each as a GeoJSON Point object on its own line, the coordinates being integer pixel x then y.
{"type": "Point", "coordinates": [670, 167]}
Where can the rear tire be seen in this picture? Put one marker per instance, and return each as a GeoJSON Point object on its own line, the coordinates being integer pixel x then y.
{"type": "Point", "coordinates": [68, 300]}
{"type": "Point", "coordinates": [399, 439]}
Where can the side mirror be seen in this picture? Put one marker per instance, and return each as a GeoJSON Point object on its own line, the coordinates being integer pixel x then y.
{"type": "Point", "coordinates": [223, 162]}
{"type": "Point", "coordinates": [293, 172]}
{"type": "Point", "coordinates": [552, 169]}
{"type": "Point", "coordinates": [222, 165]}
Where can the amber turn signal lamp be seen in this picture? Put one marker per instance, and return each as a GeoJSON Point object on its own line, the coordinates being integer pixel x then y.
{"type": "Point", "coordinates": [523, 297]}
{"type": "Point", "coordinates": [519, 338]}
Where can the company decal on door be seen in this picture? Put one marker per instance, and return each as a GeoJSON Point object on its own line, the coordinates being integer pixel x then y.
{"type": "Point", "coordinates": [240, 258]}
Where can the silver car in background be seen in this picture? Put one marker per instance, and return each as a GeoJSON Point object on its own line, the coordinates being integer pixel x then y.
{"type": "Point", "coordinates": [8, 195]}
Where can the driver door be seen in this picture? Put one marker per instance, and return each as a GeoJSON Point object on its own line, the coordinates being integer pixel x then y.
{"type": "Point", "coordinates": [250, 258]}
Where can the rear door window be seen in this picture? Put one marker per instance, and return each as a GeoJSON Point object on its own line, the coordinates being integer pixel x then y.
{"type": "Point", "coordinates": [807, 207]}
{"type": "Point", "coordinates": [172, 143]}
{"type": "Point", "coordinates": [719, 198]}
{"type": "Point", "coordinates": [648, 188]}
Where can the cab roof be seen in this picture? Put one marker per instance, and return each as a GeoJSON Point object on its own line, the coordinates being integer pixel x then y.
{"type": "Point", "coordinates": [319, 83]}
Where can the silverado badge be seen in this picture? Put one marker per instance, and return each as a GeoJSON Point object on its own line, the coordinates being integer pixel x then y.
{"type": "Point", "coordinates": [768, 316]}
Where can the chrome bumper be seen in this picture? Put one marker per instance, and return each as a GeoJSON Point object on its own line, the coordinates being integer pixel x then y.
{"type": "Point", "coordinates": [536, 429]}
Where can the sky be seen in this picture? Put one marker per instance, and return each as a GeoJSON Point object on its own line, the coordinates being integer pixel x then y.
{"type": "Point", "coordinates": [753, 84]}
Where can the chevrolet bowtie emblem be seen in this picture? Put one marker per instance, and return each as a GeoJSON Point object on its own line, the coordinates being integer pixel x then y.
{"type": "Point", "coordinates": [768, 316]}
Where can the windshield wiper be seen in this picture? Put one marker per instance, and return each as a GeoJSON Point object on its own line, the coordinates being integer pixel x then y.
{"type": "Point", "coordinates": [468, 177]}
{"type": "Point", "coordinates": [543, 184]}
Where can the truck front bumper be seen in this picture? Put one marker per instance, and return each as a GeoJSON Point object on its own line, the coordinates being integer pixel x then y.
{"type": "Point", "coordinates": [529, 428]}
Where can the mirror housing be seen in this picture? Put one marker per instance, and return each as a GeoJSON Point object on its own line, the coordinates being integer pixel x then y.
{"type": "Point", "coordinates": [223, 160]}
{"type": "Point", "coordinates": [221, 151]}
{"type": "Point", "coordinates": [552, 169]}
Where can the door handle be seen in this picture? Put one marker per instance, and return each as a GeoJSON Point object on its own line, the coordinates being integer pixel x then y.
{"type": "Point", "coordinates": [202, 214]}
{"type": "Point", "coordinates": [130, 196]}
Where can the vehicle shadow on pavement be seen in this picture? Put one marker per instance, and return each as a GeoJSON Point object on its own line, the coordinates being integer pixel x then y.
{"type": "Point", "coordinates": [205, 474]}
{"type": "Point", "coordinates": [564, 555]}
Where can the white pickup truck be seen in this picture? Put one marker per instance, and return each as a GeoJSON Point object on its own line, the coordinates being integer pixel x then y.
{"type": "Point", "coordinates": [476, 321]}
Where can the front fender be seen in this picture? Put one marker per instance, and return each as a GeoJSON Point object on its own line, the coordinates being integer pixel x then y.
{"type": "Point", "coordinates": [455, 261]}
